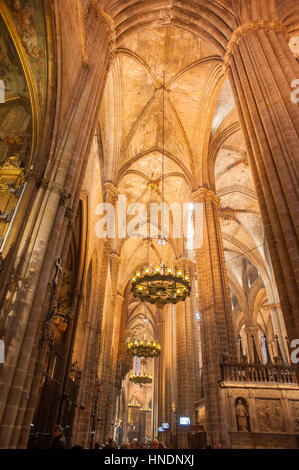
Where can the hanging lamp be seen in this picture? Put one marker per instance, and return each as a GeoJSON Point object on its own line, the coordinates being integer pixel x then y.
{"type": "Point", "coordinates": [161, 285]}
{"type": "Point", "coordinates": [143, 346]}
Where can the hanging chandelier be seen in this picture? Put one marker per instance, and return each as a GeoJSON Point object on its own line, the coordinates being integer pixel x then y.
{"type": "Point", "coordinates": [134, 403]}
{"type": "Point", "coordinates": [141, 378]}
{"type": "Point", "coordinates": [146, 410]}
{"type": "Point", "coordinates": [161, 286]}
{"type": "Point", "coordinates": [143, 348]}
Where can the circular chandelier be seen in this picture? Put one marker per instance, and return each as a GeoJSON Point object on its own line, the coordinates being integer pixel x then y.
{"type": "Point", "coordinates": [161, 286]}
{"type": "Point", "coordinates": [134, 403]}
{"type": "Point", "coordinates": [141, 378]}
{"type": "Point", "coordinates": [143, 348]}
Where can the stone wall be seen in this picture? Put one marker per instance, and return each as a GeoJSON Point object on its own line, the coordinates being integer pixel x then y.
{"type": "Point", "coordinates": [272, 415]}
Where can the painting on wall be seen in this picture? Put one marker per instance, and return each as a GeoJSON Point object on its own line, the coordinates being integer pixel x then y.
{"type": "Point", "coordinates": [15, 129]}
{"type": "Point", "coordinates": [15, 112]}
{"type": "Point", "coordinates": [29, 21]}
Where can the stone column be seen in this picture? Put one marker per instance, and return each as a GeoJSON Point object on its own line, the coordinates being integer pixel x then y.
{"type": "Point", "coordinates": [167, 351]}
{"type": "Point", "coordinates": [261, 68]}
{"type": "Point", "coordinates": [161, 368]}
{"type": "Point", "coordinates": [38, 246]}
{"type": "Point", "coordinates": [278, 329]}
{"type": "Point", "coordinates": [217, 334]}
{"type": "Point", "coordinates": [114, 344]}
{"type": "Point", "coordinates": [187, 358]}
{"type": "Point", "coordinates": [93, 335]}
{"type": "Point", "coordinates": [106, 355]}
{"type": "Point", "coordinates": [155, 400]}
{"type": "Point", "coordinates": [252, 334]}
{"type": "Point", "coordinates": [172, 393]}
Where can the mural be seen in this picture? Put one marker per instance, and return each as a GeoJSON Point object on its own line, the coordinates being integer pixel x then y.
{"type": "Point", "coordinates": [28, 19]}
{"type": "Point", "coordinates": [23, 109]}
{"type": "Point", "coordinates": [15, 112]}
{"type": "Point", "coordinates": [15, 129]}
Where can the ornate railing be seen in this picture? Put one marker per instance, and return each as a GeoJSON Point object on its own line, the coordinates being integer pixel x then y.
{"type": "Point", "coordinates": [266, 373]}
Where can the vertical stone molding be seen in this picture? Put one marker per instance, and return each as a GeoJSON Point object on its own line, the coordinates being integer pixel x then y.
{"type": "Point", "coordinates": [115, 313]}
{"type": "Point", "coordinates": [252, 334]}
{"type": "Point", "coordinates": [217, 337]}
{"type": "Point", "coordinates": [161, 362]}
{"type": "Point", "coordinates": [279, 329]}
{"type": "Point", "coordinates": [39, 244]}
{"type": "Point", "coordinates": [168, 374]}
{"type": "Point", "coordinates": [261, 68]}
{"type": "Point", "coordinates": [186, 338]}
{"type": "Point", "coordinates": [106, 374]}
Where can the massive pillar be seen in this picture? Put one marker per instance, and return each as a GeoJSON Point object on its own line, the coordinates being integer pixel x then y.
{"type": "Point", "coordinates": [162, 379]}
{"type": "Point", "coordinates": [39, 245]}
{"type": "Point", "coordinates": [261, 68]}
{"type": "Point", "coordinates": [279, 331]}
{"type": "Point", "coordinates": [167, 360]}
{"type": "Point", "coordinates": [92, 338]}
{"type": "Point", "coordinates": [116, 311]}
{"type": "Point", "coordinates": [216, 330]}
{"type": "Point", "coordinates": [187, 358]}
{"type": "Point", "coordinates": [106, 355]}
{"type": "Point", "coordinates": [254, 352]}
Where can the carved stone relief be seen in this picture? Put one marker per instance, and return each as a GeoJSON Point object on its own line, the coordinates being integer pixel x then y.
{"type": "Point", "coordinates": [294, 408]}
{"type": "Point", "coordinates": [269, 415]}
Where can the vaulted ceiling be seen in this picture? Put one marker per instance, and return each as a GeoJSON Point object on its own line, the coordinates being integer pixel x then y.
{"type": "Point", "coordinates": [203, 143]}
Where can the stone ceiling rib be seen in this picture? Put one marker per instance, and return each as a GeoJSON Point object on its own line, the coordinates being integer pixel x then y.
{"type": "Point", "coordinates": [122, 51]}
{"type": "Point", "coordinates": [212, 20]}
{"type": "Point", "coordinates": [129, 163]}
{"type": "Point", "coordinates": [246, 251]}
{"type": "Point", "coordinates": [237, 189]}
{"type": "Point", "coordinates": [139, 120]}
{"type": "Point", "coordinates": [206, 60]}
{"type": "Point", "coordinates": [182, 130]}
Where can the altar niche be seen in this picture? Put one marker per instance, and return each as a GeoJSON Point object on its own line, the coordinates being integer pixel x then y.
{"type": "Point", "coordinates": [242, 415]}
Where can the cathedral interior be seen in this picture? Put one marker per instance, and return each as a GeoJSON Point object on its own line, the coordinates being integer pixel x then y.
{"type": "Point", "coordinates": [114, 325]}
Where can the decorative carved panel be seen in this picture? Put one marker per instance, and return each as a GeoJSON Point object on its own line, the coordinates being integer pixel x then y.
{"type": "Point", "coordinates": [294, 408]}
{"type": "Point", "coordinates": [270, 416]}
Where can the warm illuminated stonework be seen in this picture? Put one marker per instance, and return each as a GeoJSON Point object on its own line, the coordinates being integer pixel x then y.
{"type": "Point", "coordinates": [82, 123]}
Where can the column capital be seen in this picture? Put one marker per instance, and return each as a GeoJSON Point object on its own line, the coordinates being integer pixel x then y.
{"type": "Point", "coordinates": [35, 175]}
{"type": "Point", "coordinates": [119, 298]}
{"type": "Point", "coordinates": [115, 257]}
{"type": "Point", "coordinates": [246, 28]}
{"type": "Point", "coordinates": [251, 328]}
{"type": "Point", "coordinates": [111, 192]}
{"type": "Point", "coordinates": [181, 261]}
{"type": "Point", "coordinates": [271, 306]}
{"type": "Point", "coordinates": [107, 19]}
{"type": "Point", "coordinates": [186, 261]}
{"type": "Point", "coordinates": [202, 194]}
